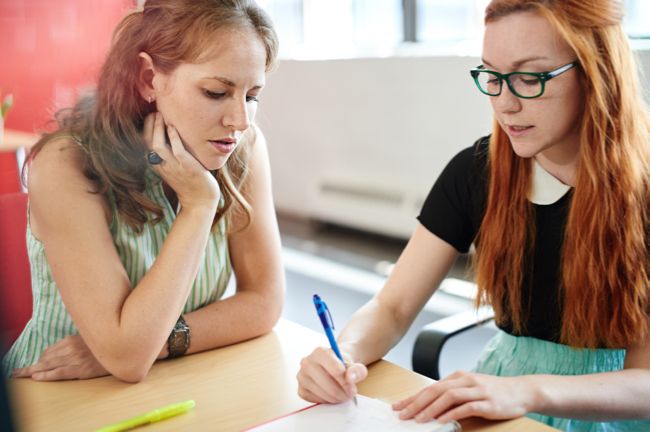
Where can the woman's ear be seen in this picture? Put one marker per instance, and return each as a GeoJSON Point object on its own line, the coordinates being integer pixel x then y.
{"type": "Point", "coordinates": [146, 74]}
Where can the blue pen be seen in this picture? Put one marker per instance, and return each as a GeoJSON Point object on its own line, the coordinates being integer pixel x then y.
{"type": "Point", "coordinates": [328, 325]}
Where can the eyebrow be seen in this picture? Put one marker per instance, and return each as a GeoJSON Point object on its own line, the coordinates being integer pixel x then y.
{"type": "Point", "coordinates": [518, 63]}
{"type": "Point", "coordinates": [230, 83]}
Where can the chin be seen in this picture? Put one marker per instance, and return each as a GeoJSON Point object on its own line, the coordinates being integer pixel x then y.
{"type": "Point", "coordinates": [524, 150]}
{"type": "Point", "coordinates": [214, 164]}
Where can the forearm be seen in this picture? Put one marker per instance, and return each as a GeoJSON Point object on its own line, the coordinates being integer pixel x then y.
{"type": "Point", "coordinates": [371, 332]}
{"type": "Point", "coordinates": [598, 397]}
{"type": "Point", "coordinates": [243, 316]}
{"type": "Point", "coordinates": [382, 322]}
{"type": "Point", "coordinates": [151, 309]}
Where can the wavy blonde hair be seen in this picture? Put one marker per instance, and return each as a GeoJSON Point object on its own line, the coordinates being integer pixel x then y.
{"type": "Point", "coordinates": [604, 266]}
{"type": "Point", "coordinates": [108, 123]}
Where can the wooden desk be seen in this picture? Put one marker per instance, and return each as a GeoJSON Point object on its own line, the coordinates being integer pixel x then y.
{"type": "Point", "coordinates": [234, 388]}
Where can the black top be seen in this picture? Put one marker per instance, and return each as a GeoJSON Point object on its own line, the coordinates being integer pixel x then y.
{"type": "Point", "coordinates": [453, 211]}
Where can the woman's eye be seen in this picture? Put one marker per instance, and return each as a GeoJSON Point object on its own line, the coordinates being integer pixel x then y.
{"type": "Point", "coordinates": [530, 81]}
{"type": "Point", "coordinates": [214, 95]}
{"type": "Point", "coordinates": [252, 99]}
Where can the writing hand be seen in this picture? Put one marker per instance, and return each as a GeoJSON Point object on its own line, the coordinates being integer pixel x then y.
{"type": "Point", "coordinates": [322, 377]}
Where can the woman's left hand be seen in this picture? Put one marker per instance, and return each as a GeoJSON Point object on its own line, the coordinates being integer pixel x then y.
{"type": "Point", "coordinates": [69, 358]}
{"type": "Point", "coordinates": [465, 394]}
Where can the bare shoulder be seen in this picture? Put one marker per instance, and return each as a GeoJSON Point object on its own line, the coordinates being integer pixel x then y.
{"type": "Point", "coordinates": [61, 160]}
{"type": "Point", "coordinates": [57, 185]}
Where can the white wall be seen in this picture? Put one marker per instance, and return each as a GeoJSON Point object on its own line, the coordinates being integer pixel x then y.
{"type": "Point", "coordinates": [360, 141]}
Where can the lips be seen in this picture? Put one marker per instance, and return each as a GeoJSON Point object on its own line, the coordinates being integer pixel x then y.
{"type": "Point", "coordinates": [518, 130]}
{"type": "Point", "coordinates": [225, 146]}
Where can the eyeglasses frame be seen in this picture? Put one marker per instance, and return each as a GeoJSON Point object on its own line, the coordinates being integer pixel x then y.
{"type": "Point", "coordinates": [542, 76]}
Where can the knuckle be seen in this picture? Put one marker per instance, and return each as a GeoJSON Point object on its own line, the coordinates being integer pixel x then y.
{"type": "Point", "coordinates": [300, 376]}
{"type": "Point", "coordinates": [305, 366]}
{"type": "Point", "coordinates": [430, 391]}
{"type": "Point", "coordinates": [452, 395]}
{"type": "Point", "coordinates": [460, 374]}
{"type": "Point", "coordinates": [471, 408]}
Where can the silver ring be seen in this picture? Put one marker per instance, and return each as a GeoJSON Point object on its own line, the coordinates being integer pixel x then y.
{"type": "Point", "coordinates": [154, 158]}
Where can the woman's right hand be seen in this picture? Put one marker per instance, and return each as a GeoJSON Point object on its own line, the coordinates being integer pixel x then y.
{"type": "Point", "coordinates": [194, 185]}
{"type": "Point", "coordinates": [322, 377]}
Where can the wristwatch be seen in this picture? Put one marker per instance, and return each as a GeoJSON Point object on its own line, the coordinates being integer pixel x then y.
{"type": "Point", "coordinates": [179, 339]}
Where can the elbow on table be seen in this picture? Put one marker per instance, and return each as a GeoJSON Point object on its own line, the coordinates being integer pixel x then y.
{"type": "Point", "coordinates": [130, 373]}
{"type": "Point", "coordinates": [267, 324]}
{"type": "Point", "coordinates": [128, 366]}
{"type": "Point", "coordinates": [263, 322]}
{"type": "Point", "coordinates": [272, 312]}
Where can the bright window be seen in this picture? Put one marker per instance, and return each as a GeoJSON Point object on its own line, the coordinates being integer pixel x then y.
{"type": "Point", "coordinates": [362, 28]}
{"type": "Point", "coordinates": [449, 20]}
{"type": "Point", "coordinates": [336, 28]}
{"type": "Point", "coordinates": [637, 18]}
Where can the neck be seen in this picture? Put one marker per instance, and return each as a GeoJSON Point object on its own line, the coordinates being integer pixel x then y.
{"type": "Point", "coordinates": [561, 161]}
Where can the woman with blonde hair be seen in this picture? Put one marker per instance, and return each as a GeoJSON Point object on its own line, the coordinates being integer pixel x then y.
{"type": "Point", "coordinates": [556, 201]}
{"type": "Point", "coordinates": [149, 194]}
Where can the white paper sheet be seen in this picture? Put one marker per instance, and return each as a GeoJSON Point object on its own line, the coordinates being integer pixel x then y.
{"type": "Point", "coordinates": [372, 415]}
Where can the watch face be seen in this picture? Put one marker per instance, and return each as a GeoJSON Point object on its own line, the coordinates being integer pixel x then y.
{"type": "Point", "coordinates": [178, 340]}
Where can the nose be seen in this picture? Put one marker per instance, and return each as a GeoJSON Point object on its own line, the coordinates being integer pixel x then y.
{"type": "Point", "coordinates": [506, 102]}
{"type": "Point", "coordinates": [237, 116]}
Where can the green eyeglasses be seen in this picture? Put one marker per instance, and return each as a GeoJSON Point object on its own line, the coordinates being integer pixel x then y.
{"type": "Point", "coordinates": [526, 85]}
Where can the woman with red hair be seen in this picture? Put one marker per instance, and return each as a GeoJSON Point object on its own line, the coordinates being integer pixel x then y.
{"type": "Point", "coordinates": [149, 194]}
{"type": "Point", "coordinates": [556, 201]}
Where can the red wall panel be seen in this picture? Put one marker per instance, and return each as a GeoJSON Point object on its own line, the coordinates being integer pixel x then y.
{"type": "Point", "coordinates": [51, 49]}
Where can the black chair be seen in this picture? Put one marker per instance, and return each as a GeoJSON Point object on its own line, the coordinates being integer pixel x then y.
{"type": "Point", "coordinates": [431, 339]}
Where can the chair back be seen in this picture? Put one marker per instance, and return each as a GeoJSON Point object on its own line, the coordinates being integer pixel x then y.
{"type": "Point", "coordinates": [15, 277]}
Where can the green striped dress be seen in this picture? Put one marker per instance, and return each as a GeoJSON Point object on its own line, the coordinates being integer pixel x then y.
{"type": "Point", "coordinates": [50, 321]}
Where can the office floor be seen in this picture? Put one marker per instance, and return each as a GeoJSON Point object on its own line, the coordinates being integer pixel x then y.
{"type": "Point", "coordinates": [323, 249]}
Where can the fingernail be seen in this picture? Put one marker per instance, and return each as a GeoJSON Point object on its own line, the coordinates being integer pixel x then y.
{"type": "Point", "coordinates": [420, 418]}
{"type": "Point", "coordinates": [353, 375]}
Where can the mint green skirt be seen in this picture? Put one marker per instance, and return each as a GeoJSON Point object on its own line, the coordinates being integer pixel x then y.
{"type": "Point", "coordinates": [507, 355]}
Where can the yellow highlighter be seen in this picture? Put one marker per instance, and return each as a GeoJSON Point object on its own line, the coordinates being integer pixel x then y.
{"type": "Point", "coordinates": [150, 417]}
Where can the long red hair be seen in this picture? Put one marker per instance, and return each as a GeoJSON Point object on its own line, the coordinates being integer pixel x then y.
{"type": "Point", "coordinates": [604, 272]}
